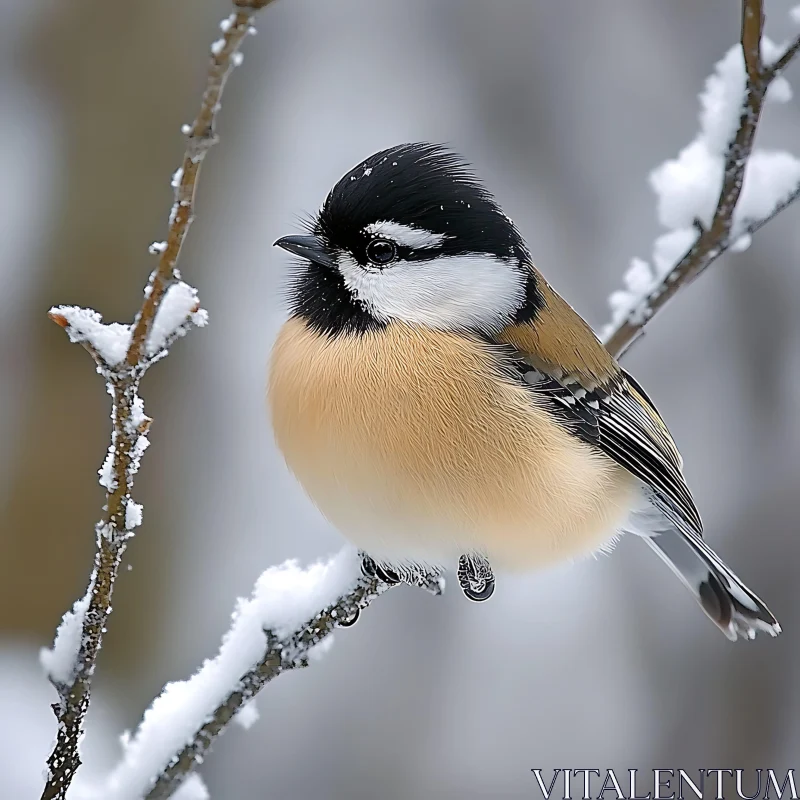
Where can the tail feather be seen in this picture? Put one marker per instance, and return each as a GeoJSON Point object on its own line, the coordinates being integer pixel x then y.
{"type": "Point", "coordinates": [721, 594]}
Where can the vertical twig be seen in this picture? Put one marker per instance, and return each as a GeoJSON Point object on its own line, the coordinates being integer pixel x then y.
{"type": "Point", "coordinates": [128, 439]}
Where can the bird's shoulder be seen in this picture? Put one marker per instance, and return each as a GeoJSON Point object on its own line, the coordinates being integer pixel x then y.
{"type": "Point", "coordinates": [557, 340]}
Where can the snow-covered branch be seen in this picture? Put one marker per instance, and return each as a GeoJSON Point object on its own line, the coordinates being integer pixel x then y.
{"type": "Point", "coordinates": [280, 628]}
{"type": "Point", "coordinates": [123, 353]}
{"type": "Point", "coordinates": [718, 192]}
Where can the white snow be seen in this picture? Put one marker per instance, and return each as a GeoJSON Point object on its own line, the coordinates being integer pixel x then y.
{"type": "Point", "coordinates": [192, 788]}
{"type": "Point", "coordinates": [218, 46]}
{"type": "Point", "coordinates": [770, 177]}
{"type": "Point", "coordinates": [111, 341]}
{"type": "Point", "coordinates": [59, 661]}
{"type": "Point", "coordinates": [106, 472]}
{"type": "Point", "coordinates": [138, 417]}
{"type": "Point", "coordinates": [237, 58]}
{"type": "Point", "coordinates": [179, 306]}
{"type": "Point", "coordinates": [141, 444]}
{"type": "Point", "coordinates": [688, 187]}
{"type": "Point", "coordinates": [780, 90]}
{"type": "Point", "coordinates": [742, 243]}
{"type": "Point", "coordinates": [177, 177]}
{"type": "Point", "coordinates": [133, 515]}
{"type": "Point", "coordinates": [157, 247]}
{"type": "Point", "coordinates": [248, 715]}
{"type": "Point", "coordinates": [284, 598]}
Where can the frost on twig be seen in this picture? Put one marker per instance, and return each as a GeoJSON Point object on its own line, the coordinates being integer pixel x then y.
{"type": "Point", "coordinates": [718, 191]}
{"type": "Point", "coordinates": [279, 628]}
{"type": "Point", "coordinates": [123, 353]}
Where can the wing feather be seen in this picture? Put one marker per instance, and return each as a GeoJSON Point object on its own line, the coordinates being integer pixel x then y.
{"type": "Point", "coordinates": [616, 416]}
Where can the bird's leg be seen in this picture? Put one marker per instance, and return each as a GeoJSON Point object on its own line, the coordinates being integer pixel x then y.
{"type": "Point", "coordinates": [475, 577]}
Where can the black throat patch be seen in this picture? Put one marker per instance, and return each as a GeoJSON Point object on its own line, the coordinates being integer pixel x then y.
{"type": "Point", "coordinates": [319, 296]}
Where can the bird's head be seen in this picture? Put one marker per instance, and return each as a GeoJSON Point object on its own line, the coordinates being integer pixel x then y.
{"type": "Point", "coordinates": [411, 235]}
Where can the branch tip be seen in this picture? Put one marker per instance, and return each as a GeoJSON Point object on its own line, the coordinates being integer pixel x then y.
{"type": "Point", "coordinates": [59, 319]}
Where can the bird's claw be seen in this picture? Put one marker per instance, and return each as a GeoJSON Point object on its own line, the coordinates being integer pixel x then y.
{"type": "Point", "coordinates": [475, 577]}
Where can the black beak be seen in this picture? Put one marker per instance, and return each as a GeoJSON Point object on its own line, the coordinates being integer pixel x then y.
{"type": "Point", "coordinates": [309, 247]}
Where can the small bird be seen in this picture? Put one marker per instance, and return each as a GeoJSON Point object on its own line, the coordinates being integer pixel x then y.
{"type": "Point", "coordinates": [440, 403]}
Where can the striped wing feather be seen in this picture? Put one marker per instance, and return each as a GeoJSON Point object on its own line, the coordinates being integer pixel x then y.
{"type": "Point", "coordinates": [607, 409]}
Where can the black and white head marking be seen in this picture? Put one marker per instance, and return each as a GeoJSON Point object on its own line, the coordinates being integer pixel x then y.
{"type": "Point", "coordinates": [410, 235]}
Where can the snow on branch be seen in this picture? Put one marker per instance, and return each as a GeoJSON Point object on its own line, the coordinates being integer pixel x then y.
{"type": "Point", "coordinates": [718, 192]}
{"type": "Point", "coordinates": [123, 353]}
{"type": "Point", "coordinates": [280, 628]}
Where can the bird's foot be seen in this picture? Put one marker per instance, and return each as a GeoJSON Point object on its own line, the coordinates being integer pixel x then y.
{"type": "Point", "coordinates": [427, 578]}
{"type": "Point", "coordinates": [372, 568]}
{"type": "Point", "coordinates": [475, 577]}
{"type": "Point", "coordinates": [431, 580]}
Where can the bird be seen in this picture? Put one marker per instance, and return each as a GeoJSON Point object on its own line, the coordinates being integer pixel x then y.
{"type": "Point", "coordinates": [440, 403]}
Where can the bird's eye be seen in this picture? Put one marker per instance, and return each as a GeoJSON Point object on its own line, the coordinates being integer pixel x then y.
{"type": "Point", "coordinates": [381, 251]}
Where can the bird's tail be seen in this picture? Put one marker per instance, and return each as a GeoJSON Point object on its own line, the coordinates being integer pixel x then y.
{"type": "Point", "coordinates": [725, 599]}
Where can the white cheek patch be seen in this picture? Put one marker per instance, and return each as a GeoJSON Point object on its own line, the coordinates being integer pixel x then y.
{"type": "Point", "coordinates": [472, 291]}
{"type": "Point", "coordinates": [406, 235]}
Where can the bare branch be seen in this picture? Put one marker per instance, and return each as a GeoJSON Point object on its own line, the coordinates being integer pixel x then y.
{"type": "Point", "coordinates": [123, 374]}
{"type": "Point", "coordinates": [717, 238]}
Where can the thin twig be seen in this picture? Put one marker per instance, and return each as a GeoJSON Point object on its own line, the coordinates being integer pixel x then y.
{"type": "Point", "coordinates": [716, 239]}
{"type": "Point", "coordinates": [780, 65]}
{"type": "Point", "coordinates": [202, 137]}
{"type": "Point", "coordinates": [115, 528]}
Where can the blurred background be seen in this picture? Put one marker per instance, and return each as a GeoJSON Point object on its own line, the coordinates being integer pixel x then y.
{"type": "Point", "coordinates": [563, 108]}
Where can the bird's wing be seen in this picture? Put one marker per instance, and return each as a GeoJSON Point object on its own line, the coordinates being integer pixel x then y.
{"type": "Point", "coordinates": [590, 394]}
